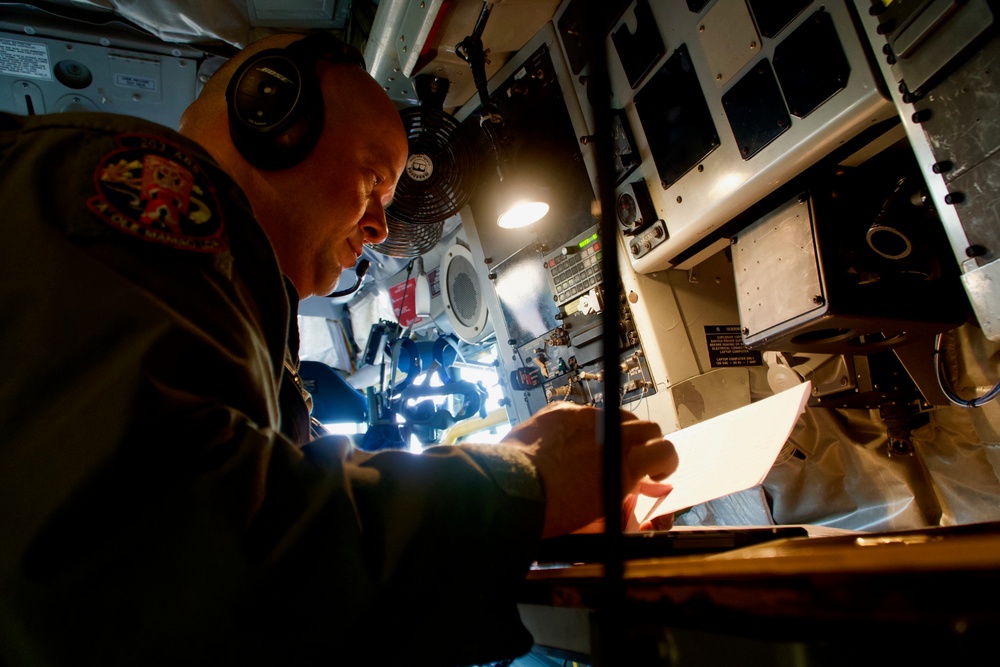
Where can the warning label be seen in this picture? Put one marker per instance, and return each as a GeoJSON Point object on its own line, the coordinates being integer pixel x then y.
{"type": "Point", "coordinates": [726, 348]}
{"type": "Point", "coordinates": [24, 59]}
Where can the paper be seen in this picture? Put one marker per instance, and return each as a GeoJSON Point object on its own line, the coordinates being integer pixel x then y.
{"type": "Point", "coordinates": [726, 454]}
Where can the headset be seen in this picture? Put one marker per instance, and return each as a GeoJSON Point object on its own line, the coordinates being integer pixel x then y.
{"type": "Point", "coordinates": [275, 101]}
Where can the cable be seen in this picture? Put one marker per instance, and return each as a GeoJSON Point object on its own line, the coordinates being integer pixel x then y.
{"type": "Point", "coordinates": [387, 392]}
{"type": "Point", "coordinates": [946, 386]}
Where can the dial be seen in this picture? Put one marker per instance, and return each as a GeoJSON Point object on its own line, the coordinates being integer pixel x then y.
{"type": "Point", "coordinates": [627, 211]}
{"type": "Point", "coordinates": [635, 208]}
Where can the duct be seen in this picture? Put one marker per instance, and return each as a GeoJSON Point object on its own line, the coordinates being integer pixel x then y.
{"type": "Point", "coordinates": [233, 22]}
{"type": "Point", "coordinates": [176, 22]}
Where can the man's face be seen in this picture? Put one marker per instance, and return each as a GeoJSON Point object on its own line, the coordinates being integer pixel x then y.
{"type": "Point", "coordinates": [320, 213]}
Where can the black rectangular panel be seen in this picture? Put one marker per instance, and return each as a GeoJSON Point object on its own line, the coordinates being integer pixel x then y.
{"type": "Point", "coordinates": [755, 109]}
{"type": "Point", "coordinates": [810, 64]}
{"type": "Point", "coordinates": [772, 17]}
{"type": "Point", "coordinates": [640, 50]}
{"type": "Point", "coordinates": [675, 118]}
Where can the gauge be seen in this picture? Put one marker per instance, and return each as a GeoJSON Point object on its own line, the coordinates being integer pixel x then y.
{"type": "Point", "coordinates": [627, 211]}
{"type": "Point", "coordinates": [635, 208]}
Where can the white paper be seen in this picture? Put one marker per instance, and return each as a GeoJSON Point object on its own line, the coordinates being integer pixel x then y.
{"type": "Point", "coordinates": [726, 454]}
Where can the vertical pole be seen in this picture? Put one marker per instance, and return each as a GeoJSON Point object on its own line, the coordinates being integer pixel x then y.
{"type": "Point", "coordinates": [609, 619]}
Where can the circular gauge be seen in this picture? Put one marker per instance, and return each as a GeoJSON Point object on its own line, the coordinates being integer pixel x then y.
{"type": "Point", "coordinates": [626, 209]}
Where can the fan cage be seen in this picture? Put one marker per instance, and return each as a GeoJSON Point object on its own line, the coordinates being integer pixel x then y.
{"type": "Point", "coordinates": [409, 240]}
{"type": "Point", "coordinates": [447, 189]}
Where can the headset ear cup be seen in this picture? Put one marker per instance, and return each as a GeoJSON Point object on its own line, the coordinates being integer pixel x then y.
{"type": "Point", "coordinates": [275, 109]}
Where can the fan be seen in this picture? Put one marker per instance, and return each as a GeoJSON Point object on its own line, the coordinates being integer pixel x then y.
{"type": "Point", "coordinates": [439, 174]}
{"type": "Point", "coordinates": [439, 177]}
{"type": "Point", "coordinates": [407, 241]}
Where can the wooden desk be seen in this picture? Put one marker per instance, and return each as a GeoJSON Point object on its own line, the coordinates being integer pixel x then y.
{"type": "Point", "coordinates": [803, 601]}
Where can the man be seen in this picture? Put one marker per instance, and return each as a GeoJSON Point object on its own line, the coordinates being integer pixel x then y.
{"type": "Point", "coordinates": [162, 500]}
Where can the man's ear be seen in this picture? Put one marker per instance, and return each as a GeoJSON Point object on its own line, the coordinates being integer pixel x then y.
{"type": "Point", "coordinates": [275, 102]}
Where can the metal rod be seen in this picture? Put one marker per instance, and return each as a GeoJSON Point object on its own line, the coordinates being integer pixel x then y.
{"type": "Point", "coordinates": [609, 618]}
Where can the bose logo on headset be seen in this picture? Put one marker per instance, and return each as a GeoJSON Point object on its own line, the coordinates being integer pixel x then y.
{"type": "Point", "coordinates": [275, 101]}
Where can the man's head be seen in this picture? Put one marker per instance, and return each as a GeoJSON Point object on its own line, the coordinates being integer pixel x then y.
{"type": "Point", "coordinates": [319, 212]}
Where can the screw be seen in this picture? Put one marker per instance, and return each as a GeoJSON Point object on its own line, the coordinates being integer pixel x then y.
{"type": "Point", "coordinates": [976, 250]}
{"type": "Point", "coordinates": [954, 198]}
{"type": "Point", "coordinates": [886, 28]}
{"type": "Point", "coordinates": [941, 167]}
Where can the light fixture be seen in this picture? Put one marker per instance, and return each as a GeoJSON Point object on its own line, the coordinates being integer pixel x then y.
{"type": "Point", "coordinates": [521, 200]}
{"type": "Point", "coordinates": [518, 205]}
{"type": "Point", "coordinates": [522, 213]}
{"type": "Point", "coordinates": [521, 203]}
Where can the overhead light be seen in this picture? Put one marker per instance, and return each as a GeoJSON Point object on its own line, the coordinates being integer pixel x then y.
{"type": "Point", "coordinates": [521, 200]}
{"type": "Point", "coordinates": [519, 204]}
{"type": "Point", "coordinates": [522, 213]}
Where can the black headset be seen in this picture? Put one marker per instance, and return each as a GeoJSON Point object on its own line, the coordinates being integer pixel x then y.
{"type": "Point", "coordinates": [275, 101]}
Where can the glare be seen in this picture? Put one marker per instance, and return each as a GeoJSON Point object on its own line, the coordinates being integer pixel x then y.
{"type": "Point", "coordinates": [481, 369]}
{"type": "Point", "coordinates": [522, 213]}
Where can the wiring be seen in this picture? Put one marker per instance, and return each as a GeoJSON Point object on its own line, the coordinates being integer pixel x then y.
{"type": "Point", "coordinates": [942, 378]}
{"type": "Point", "coordinates": [391, 344]}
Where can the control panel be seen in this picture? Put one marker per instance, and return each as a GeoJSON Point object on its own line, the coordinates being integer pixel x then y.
{"type": "Point", "coordinates": [558, 332]}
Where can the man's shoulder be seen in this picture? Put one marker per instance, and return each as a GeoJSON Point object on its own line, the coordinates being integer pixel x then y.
{"type": "Point", "coordinates": [137, 177]}
{"type": "Point", "coordinates": [98, 124]}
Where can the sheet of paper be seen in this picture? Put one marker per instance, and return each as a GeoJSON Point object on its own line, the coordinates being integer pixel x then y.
{"type": "Point", "coordinates": [726, 454]}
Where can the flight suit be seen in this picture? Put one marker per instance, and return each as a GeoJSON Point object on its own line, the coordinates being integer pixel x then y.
{"type": "Point", "coordinates": [161, 501]}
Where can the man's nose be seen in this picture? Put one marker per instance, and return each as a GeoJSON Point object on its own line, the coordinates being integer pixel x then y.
{"type": "Point", "coordinates": [374, 226]}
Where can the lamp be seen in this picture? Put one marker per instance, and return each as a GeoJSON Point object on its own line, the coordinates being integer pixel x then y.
{"type": "Point", "coordinates": [522, 213]}
{"type": "Point", "coordinates": [519, 206]}
{"type": "Point", "coordinates": [520, 199]}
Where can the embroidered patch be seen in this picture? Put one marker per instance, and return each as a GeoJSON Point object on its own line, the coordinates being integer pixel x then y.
{"type": "Point", "coordinates": [153, 189]}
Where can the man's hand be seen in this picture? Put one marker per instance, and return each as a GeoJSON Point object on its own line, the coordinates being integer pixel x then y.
{"type": "Point", "coordinates": [661, 522]}
{"type": "Point", "coordinates": [561, 439]}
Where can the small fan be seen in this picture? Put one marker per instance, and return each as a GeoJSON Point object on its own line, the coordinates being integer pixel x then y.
{"type": "Point", "coordinates": [407, 241]}
{"type": "Point", "coordinates": [439, 177]}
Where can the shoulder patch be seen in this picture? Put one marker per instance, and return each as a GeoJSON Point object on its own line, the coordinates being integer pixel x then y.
{"type": "Point", "coordinates": [151, 188]}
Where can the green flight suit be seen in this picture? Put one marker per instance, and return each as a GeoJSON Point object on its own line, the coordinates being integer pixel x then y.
{"type": "Point", "coordinates": [160, 501]}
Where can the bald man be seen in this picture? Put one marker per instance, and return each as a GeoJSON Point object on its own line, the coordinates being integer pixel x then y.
{"type": "Point", "coordinates": [164, 499]}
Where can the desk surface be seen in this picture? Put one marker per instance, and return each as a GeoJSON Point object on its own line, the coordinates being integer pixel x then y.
{"type": "Point", "coordinates": [943, 581]}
